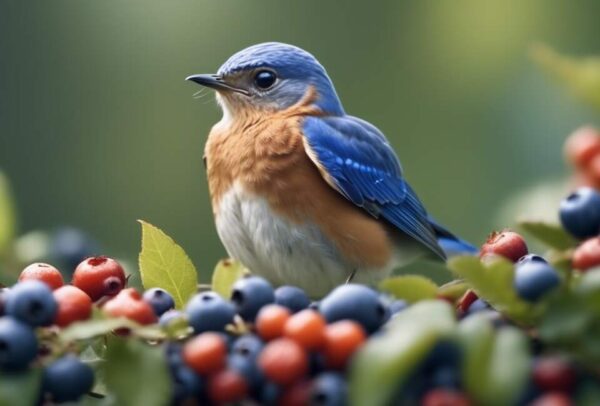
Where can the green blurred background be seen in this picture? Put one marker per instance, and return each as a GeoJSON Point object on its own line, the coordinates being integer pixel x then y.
{"type": "Point", "coordinates": [98, 127]}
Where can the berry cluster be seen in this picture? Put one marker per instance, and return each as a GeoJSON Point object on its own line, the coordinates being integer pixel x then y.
{"type": "Point", "coordinates": [41, 299]}
{"type": "Point", "coordinates": [272, 345]}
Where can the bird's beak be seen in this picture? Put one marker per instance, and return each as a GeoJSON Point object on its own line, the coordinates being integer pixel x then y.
{"type": "Point", "coordinates": [216, 82]}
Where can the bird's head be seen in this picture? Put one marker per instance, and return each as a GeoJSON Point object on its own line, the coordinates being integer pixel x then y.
{"type": "Point", "coordinates": [270, 76]}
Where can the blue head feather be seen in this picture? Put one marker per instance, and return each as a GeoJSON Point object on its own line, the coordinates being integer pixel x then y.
{"type": "Point", "coordinates": [295, 68]}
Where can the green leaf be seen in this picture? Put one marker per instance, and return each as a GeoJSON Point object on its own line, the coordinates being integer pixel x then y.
{"type": "Point", "coordinates": [566, 320]}
{"type": "Point", "coordinates": [164, 264]}
{"type": "Point", "coordinates": [224, 276]}
{"type": "Point", "coordinates": [495, 366]}
{"type": "Point", "coordinates": [580, 75]}
{"type": "Point", "coordinates": [411, 288]}
{"type": "Point", "coordinates": [453, 290]}
{"type": "Point", "coordinates": [20, 388]}
{"type": "Point", "coordinates": [493, 281]}
{"type": "Point", "coordinates": [382, 365]}
{"type": "Point", "coordinates": [553, 235]}
{"type": "Point", "coordinates": [7, 215]}
{"type": "Point", "coordinates": [137, 373]}
{"type": "Point", "coordinates": [85, 330]}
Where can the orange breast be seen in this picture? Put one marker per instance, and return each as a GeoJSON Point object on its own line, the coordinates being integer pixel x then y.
{"type": "Point", "coordinates": [265, 154]}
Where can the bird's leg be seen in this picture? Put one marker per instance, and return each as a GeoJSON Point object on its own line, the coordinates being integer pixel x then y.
{"type": "Point", "coordinates": [351, 276]}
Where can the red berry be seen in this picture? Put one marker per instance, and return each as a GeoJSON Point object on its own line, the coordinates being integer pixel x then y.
{"type": "Point", "coordinates": [271, 320]}
{"type": "Point", "coordinates": [283, 361]}
{"type": "Point", "coordinates": [307, 328]}
{"type": "Point", "coordinates": [445, 397]}
{"type": "Point", "coordinates": [129, 304]}
{"type": "Point", "coordinates": [43, 272]}
{"type": "Point", "coordinates": [587, 255]}
{"type": "Point", "coordinates": [582, 145]}
{"type": "Point", "coordinates": [467, 300]}
{"type": "Point", "coordinates": [507, 244]}
{"type": "Point", "coordinates": [206, 353]}
{"type": "Point", "coordinates": [226, 387]}
{"type": "Point", "coordinates": [342, 339]}
{"type": "Point", "coordinates": [554, 374]}
{"type": "Point", "coordinates": [553, 399]}
{"type": "Point", "coordinates": [99, 276]}
{"type": "Point", "coordinates": [73, 305]}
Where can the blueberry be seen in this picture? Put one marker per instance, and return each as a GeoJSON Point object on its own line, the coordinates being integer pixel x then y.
{"type": "Point", "coordinates": [3, 295]}
{"type": "Point", "coordinates": [443, 354]}
{"type": "Point", "coordinates": [248, 346]}
{"type": "Point", "coordinates": [478, 306]}
{"type": "Point", "coordinates": [167, 317]}
{"type": "Point", "coordinates": [208, 311]}
{"type": "Point", "coordinates": [18, 344]}
{"type": "Point", "coordinates": [355, 302]}
{"type": "Point", "coordinates": [397, 306]}
{"type": "Point", "coordinates": [329, 389]}
{"type": "Point", "coordinates": [534, 279]}
{"type": "Point", "coordinates": [248, 368]}
{"type": "Point", "coordinates": [187, 385]}
{"type": "Point", "coordinates": [67, 379]}
{"type": "Point", "coordinates": [580, 213]}
{"type": "Point", "coordinates": [446, 377]}
{"type": "Point", "coordinates": [291, 297]}
{"type": "Point", "coordinates": [269, 394]}
{"type": "Point", "coordinates": [531, 257]}
{"type": "Point", "coordinates": [160, 300]}
{"type": "Point", "coordinates": [70, 246]}
{"type": "Point", "coordinates": [251, 293]}
{"type": "Point", "coordinates": [31, 302]}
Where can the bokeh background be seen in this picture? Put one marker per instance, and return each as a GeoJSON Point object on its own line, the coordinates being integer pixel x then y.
{"type": "Point", "coordinates": [98, 127]}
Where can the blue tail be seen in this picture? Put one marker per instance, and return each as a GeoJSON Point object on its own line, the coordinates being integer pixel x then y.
{"type": "Point", "coordinates": [451, 244]}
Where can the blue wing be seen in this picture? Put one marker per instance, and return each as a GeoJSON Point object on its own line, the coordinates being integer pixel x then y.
{"type": "Point", "coordinates": [356, 159]}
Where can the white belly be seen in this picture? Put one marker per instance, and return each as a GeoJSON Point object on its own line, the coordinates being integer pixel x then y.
{"type": "Point", "coordinates": [281, 251]}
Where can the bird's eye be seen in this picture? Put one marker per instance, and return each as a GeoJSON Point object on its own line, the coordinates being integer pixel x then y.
{"type": "Point", "coordinates": [264, 79]}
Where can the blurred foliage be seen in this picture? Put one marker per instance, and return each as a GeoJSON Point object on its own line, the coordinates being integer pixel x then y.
{"type": "Point", "coordinates": [7, 215]}
{"type": "Point", "coordinates": [580, 75]}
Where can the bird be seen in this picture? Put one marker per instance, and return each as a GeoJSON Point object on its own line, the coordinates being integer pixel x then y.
{"type": "Point", "coordinates": [303, 193]}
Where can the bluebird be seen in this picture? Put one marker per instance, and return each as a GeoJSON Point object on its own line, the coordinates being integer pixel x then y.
{"type": "Point", "coordinates": [302, 193]}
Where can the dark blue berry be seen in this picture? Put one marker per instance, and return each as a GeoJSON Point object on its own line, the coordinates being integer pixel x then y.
{"type": "Point", "coordinates": [397, 306]}
{"type": "Point", "coordinates": [67, 379]}
{"type": "Point", "coordinates": [248, 346]}
{"type": "Point", "coordinates": [3, 295]}
{"type": "Point", "coordinates": [187, 385]}
{"type": "Point", "coordinates": [249, 294]}
{"type": "Point", "coordinates": [446, 377]}
{"type": "Point", "coordinates": [167, 317]}
{"type": "Point", "coordinates": [443, 354]}
{"type": "Point", "coordinates": [18, 344]}
{"type": "Point", "coordinates": [248, 368]}
{"type": "Point", "coordinates": [291, 297]}
{"type": "Point", "coordinates": [478, 306]}
{"type": "Point", "coordinates": [531, 257]}
{"type": "Point", "coordinates": [269, 394]}
{"type": "Point", "coordinates": [534, 279]}
{"type": "Point", "coordinates": [580, 213]}
{"type": "Point", "coordinates": [31, 302]}
{"type": "Point", "coordinates": [70, 246]}
{"type": "Point", "coordinates": [160, 300]}
{"type": "Point", "coordinates": [208, 311]}
{"type": "Point", "coordinates": [355, 302]}
{"type": "Point", "coordinates": [329, 389]}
